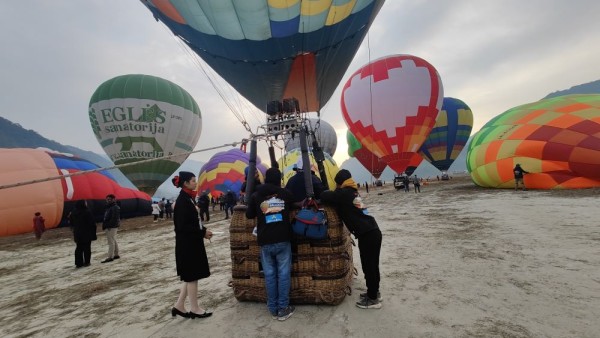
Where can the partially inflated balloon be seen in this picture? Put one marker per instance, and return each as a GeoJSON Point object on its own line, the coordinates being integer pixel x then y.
{"type": "Point", "coordinates": [54, 199]}
{"type": "Point", "coordinates": [139, 117]}
{"type": "Point", "coordinates": [372, 163]}
{"type": "Point", "coordinates": [449, 135]}
{"type": "Point", "coordinates": [293, 159]}
{"type": "Point", "coordinates": [318, 129]}
{"type": "Point", "coordinates": [390, 106]}
{"type": "Point", "coordinates": [224, 171]}
{"type": "Point", "coordinates": [557, 140]}
{"type": "Point", "coordinates": [272, 49]}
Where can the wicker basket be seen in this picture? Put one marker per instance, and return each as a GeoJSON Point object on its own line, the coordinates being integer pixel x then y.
{"type": "Point", "coordinates": [321, 269]}
{"type": "Point", "coordinates": [304, 289]}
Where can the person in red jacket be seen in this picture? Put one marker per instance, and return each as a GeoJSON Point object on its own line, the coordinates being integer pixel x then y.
{"type": "Point", "coordinates": [38, 225]}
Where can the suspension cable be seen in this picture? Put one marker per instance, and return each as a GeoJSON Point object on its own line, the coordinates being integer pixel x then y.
{"type": "Point", "coordinates": [39, 180]}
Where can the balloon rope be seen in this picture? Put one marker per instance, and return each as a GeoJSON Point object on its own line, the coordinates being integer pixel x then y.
{"type": "Point", "coordinates": [39, 180]}
{"type": "Point", "coordinates": [234, 107]}
{"type": "Point", "coordinates": [370, 98]}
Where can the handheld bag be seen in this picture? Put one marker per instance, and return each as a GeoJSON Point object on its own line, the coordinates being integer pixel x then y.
{"type": "Point", "coordinates": [311, 222]}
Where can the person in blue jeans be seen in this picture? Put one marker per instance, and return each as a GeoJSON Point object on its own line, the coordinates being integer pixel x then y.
{"type": "Point", "coordinates": [270, 205]}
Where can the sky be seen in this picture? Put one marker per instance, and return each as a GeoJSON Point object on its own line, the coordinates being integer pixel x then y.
{"type": "Point", "coordinates": [493, 55]}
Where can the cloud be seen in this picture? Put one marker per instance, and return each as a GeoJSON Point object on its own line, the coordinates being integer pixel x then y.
{"type": "Point", "coordinates": [493, 55]}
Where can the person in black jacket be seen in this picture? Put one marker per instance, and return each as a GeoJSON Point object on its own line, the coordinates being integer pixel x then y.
{"type": "Point", "coordinates": [84, 232]}
{"type": "Point", "coordinates": [351, 210]}
{"type": "Point", "coordinates": [190, 254]}
{"type": "Point", "coordinates": [519, 172]}
{"type": "Point", "coordinates": [203, 204]}
{"type": "Point", "coordinates": [110, 225]}
{"type": "Point", "coordinates": [297, 187]}
{"type": "Point", "coordinates": [230, 201]}
{"type": "Point", "coordinates": [271, 205]}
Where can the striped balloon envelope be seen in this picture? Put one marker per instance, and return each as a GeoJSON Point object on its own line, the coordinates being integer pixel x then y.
{"type": "Point", "coordinates": [374, 165]}
{"type": "Point", "coordinates": [225, 171]}
{"type": "Point", "coordinates": [273, 49]}
{"type": "Point", "coordinates": [390, 106]}
{"type": "Point", "coordinates": [556, 140]}
{"type": "Point", "coordinates": [293, 158]}
{"type": "Point", "coordinates": [54, 199]}
{"type": "Point", "coordinates": [449, 135]}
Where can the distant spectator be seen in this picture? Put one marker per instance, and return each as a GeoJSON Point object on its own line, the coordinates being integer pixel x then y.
{"type": "Point", "coordinates": [161, 206]}
{"type": "Point", "coordinates": [230, 201]}
{"type": "Point", "coordinates": [155, 211]}
{"type": "Point", "coordinates": [84, 232]}
{"type": "Point", "coordinates": [417, 184]}
{"type": "Point", "coordinates": [203, 205]}
{"type": "Point", "coordinates": [39, 225]}
{"type": "Point", "coordinates": [110, 225]}
{"type": "Point", "coordinates": [169, 209]}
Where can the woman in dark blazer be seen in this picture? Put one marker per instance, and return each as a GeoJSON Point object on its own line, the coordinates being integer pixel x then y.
{"type": "Point", "coordinates": [190, 254]}
{"type": "Point", "coordinates": [84, 232]}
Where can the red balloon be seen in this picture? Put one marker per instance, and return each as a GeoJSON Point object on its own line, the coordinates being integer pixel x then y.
{"type": "Point", "coordinates": [391, 104]}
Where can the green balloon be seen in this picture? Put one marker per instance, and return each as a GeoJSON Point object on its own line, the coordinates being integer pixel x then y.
{"type": "Point", "coordinates": [353, 143]}
{"type": "Point", "coordinates": [138, 117]}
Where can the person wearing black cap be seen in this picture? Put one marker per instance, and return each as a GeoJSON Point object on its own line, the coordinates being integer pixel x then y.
{"type": "Point", "coordinates": [297, 187]}
{"type": "Point", "coordinates": [190, 254]}
{"type": "Point", "coordinates": [352, 211]}
{"type": "Point", "coordinates": [271, 205]}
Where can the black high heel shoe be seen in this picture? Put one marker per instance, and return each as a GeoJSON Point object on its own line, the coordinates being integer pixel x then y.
{"type": "Point", "coordinates": [175, 312]}
{"type": "Point", "coordinates": [199, 315]}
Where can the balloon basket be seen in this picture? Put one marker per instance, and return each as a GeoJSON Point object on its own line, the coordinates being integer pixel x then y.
{"type": "Point", "coordinates": [322, 270]}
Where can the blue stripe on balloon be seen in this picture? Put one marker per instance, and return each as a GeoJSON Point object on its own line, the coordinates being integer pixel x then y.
{"type": "Point", "coordinates": [280, 29]}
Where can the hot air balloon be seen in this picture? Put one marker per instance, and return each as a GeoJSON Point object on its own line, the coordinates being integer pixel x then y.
{"type": "Point", "coordinates": [557, 140]}
{"type": "Point", "coordinates": [318, 129]}
{"type": "Point", "coordinates": [390, 106]}
{"type": "Point", "coordinates": [413, 164]}
{"type": "Point", "coordinates": [56, 198]}
{"type": "Point", "coordinates": [270, 50]}
{"type": "Point", "coordinates": [293, 158]}
{"type": "Point", "coordinates": [225, 171]}
{"type": "Point", "coordinates": [449, 135]}
{"type": "Point", "coordinates": [139, 117]}
{"type": "Point", "coordinates": [372, 163]}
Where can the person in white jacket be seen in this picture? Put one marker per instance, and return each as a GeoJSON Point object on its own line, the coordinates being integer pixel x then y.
{"type": "Point", "coordinates": [155, 211]}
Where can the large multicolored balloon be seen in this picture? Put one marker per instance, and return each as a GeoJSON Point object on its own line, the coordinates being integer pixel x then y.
{"type": "Point", "coordinates": [293, 158]}
{"type": "Point", "coordinates": [320, 130]}
{"type": "Point", "coordinates": [56, 198]}
{"type": "Point", "coordinates": [269, 50]}
{"type": "Point", "coordinates": [140, 117]}
{"type": "Point", "coordinates": [224, 171]}
{"type": "Point", "coordinates": [390, 106]}
{"type": "Point", "coordinates": [372, 163]}
{"type": "Point", "coordinates": [449, 135]}
{"type": "Point", "coordinates": [557, 140]}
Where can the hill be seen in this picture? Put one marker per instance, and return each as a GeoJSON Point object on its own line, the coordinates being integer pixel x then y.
{"type": "Point", "coordinates": [586, 88]}
{"type": "Point", "coordinates": [13, 135]}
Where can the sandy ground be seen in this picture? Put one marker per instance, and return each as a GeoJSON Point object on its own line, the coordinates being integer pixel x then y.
{"type": "Point", "coordinates": [457, 261]}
